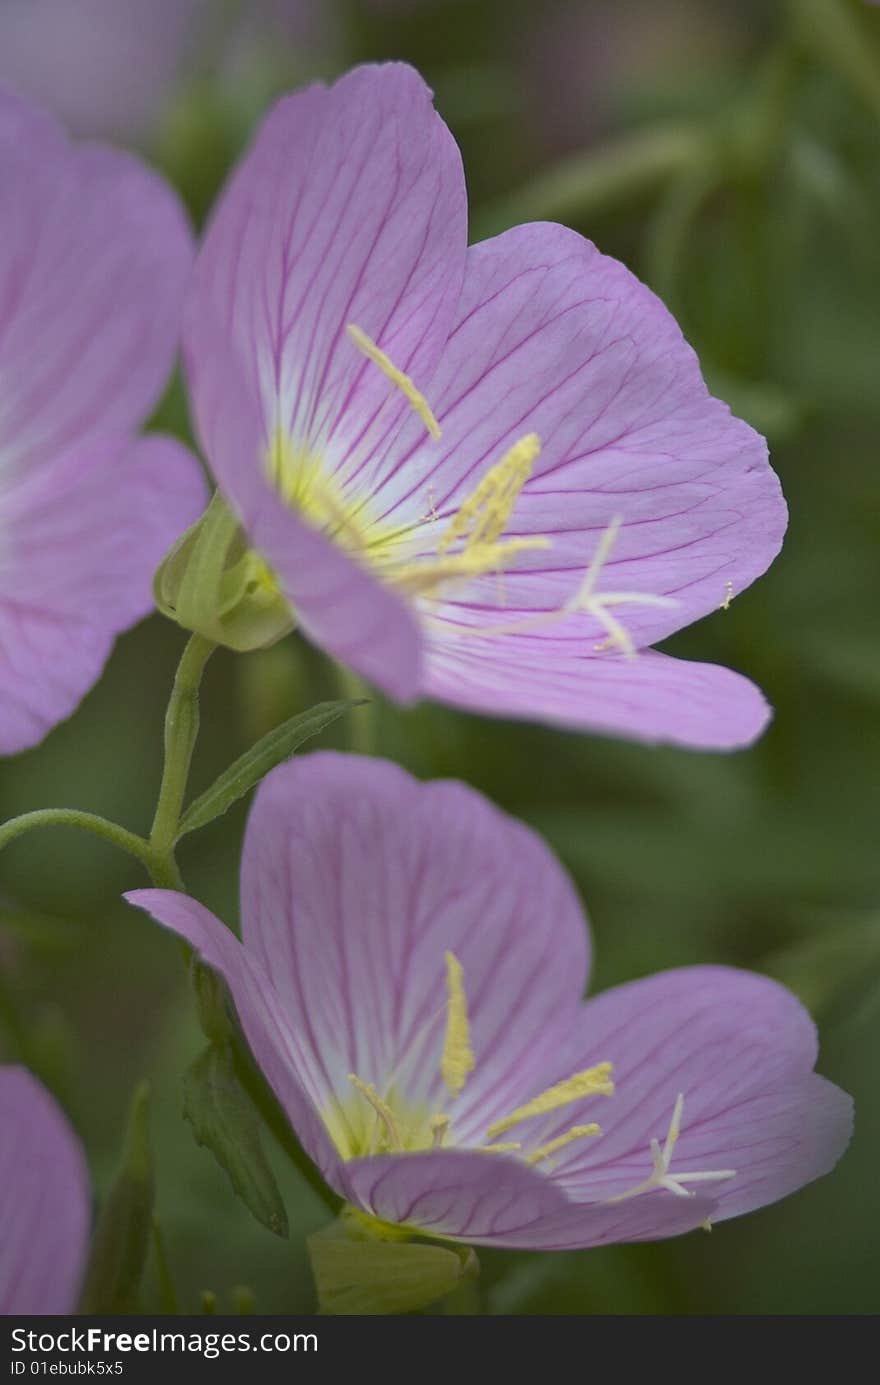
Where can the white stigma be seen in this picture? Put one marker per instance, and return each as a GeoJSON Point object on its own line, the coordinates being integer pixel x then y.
{"type": "Point", "coordinates": [661, 1157]}
{"type": "Point", "coordinates": [596, 604]}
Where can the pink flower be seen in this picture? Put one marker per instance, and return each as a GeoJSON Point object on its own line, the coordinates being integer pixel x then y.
{"type": "Point", "coordinates": [44, 1201]}
{"type": "Point", "coordinates": [410, 979]}
{"type": "Point", "coordinates": [94, 259]}
{"type": "Point", "coordinates": [491, 476]}
{"type": "Point", "coordinates": [113, 67]}
{"type": "Point", "coordinates": [104, 66]}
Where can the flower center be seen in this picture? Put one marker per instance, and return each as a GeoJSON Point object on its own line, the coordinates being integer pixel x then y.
{"type": "Point", "coordinates": [383, 1122]}
{"type": "Point", "coordinates": [472, 544]}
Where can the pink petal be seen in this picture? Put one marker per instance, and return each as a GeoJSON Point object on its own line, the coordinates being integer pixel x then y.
{"type": "Point", "coordinates": [80, 539]}
{"type": "Point", "coordinates": [740, 1048]}
{"type": "Point", "coordinates": [349, 208]}
{"type": "Point", "coordinates": [494, 1200]}
{"type": "Point", "coordinates": [556, 339]}
{"type": "Point", "coordinates": [44, 1201]}
{"type": "Point", "coordinates": [339, 604]}
{"type": "Point", "coordinates": [274, 1041]}
{"type": "Point", "coordinates": [650, 698]}
{"type": "Point", "coordinates": [94, 260]}
{"type": "Point", "coordinates": [357, 880]}
{"type": "Point", "coordinates": [483, 1198]}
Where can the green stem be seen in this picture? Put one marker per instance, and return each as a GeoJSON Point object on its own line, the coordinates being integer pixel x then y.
{"type": "Point", "coordinates": [157, 856]}
{"type": "Point", "coordinates": [362, 725]}
{"type": "Point", "coordinates": [181, 731]}
{"type": "Point", "coordinates": [89, 822]}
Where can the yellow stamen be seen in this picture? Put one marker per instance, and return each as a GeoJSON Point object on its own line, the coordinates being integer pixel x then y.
{"type": "Point", "coordinates": [438, 1126]}
{"type": "Point", "coordinates": [382, 1109]}
{"type": "Point", "coordinates": [422, 576]}
{"type": "Point", "coordinates": [506, 1147]}
{"type": "Point", "coordinates": [482, 518]}
{"type": "Point", "coordinates": [575, 1133]}
{"type": "Point", "coordinates": [585, 599]}
{"type": "Point", "coordinates": [728, 597]}
{"type": "Point", "coordinates": [397, 377]}
{"type": "Point", "coordinates": [458, 1057]}
{"type": "Point", "coordinates": [593, 1081]}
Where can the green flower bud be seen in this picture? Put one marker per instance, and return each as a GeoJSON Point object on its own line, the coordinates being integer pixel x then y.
{"type": "Point", "coordinates": [213, 584]}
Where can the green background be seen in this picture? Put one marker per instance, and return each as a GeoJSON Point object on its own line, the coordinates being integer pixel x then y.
{"type": "Point", "coordinates": [729, 154]}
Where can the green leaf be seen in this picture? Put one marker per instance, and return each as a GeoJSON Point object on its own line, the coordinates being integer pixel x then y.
{"type": "Point", "coordinates": [224, 1121]}
{"type": "Point", "coordinates": [375, 1277]}
{"type": "Point", "coordinates": [122, 1235]}
{"type": "Point", "coordinates": [255, 763]}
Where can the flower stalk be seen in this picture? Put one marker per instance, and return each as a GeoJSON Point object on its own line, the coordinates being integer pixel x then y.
{"type": "Point", "coordinates": [181, 733]}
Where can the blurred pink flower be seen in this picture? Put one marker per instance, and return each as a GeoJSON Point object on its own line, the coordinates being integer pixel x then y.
{"type": "Point", "coordinates": [110, 67]}
{"type": "Point", "coordinates": [105, 66]}
{"type": "Point", "coordinates": [44, 1201]}
{"type": "Point", "coordinates": [410, 981]}
{"type": "Point", "coordinates": [399, 420]}
{"type": "Point", "coordinates": [95, 254]}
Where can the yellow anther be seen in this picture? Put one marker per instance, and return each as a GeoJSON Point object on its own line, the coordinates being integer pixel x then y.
{"type": "Point", "coordinates": [382, 1109]}
{"type": "Point", "coordinates": [423, 576]}
{"type": "Point", "coordinates": [438, 1126]}
{"type": "Point", "coordinates": [586, 599]}
{"type": "Point", "coordinates": [707, 1224]}
{"type": "Point", "coordinates": [482, 518]}
{"type": "Point", "coordinates": [576, 1132]}
{"type": "Point", "coordinates": [458, 1057]}
{"type": "Point", "coordinates": [728, 597]}
{"type": "Point", "coordinates": [506, 1147]}
{"type": "Point", "coordinates": [397, 377]}
{"type": "Point", "coordinates": [595, 1081]}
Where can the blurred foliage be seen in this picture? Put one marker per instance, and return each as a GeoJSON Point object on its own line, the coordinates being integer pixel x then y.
{"type": "Point", "coordinates": [733, 162]}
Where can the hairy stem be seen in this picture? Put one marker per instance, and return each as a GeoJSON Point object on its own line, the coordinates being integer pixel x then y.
{"type": "Point", "coordinates": [89, 822]}
{"type": "Point", "coordinates": [181, 731]}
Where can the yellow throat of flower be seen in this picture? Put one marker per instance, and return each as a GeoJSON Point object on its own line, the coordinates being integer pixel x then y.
{"type": "Point", "coordinates": [426, 565]}
{"type": "Point", "coordinates": [374, 1122]}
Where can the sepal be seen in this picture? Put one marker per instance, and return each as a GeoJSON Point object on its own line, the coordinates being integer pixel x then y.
{"type": "Point", "coordinates": [213, 584]}
{"type": "Point", "coordinates": [365, 1267]}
